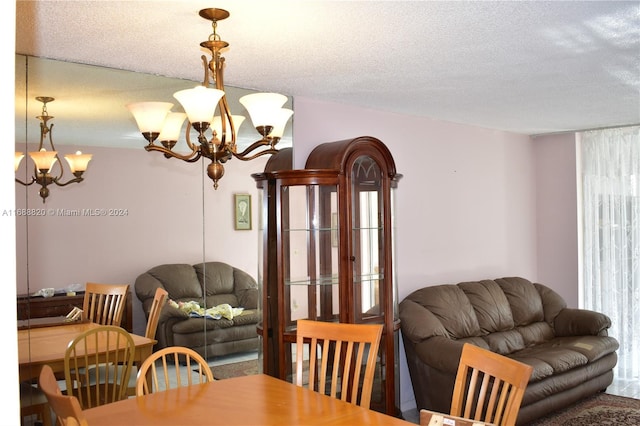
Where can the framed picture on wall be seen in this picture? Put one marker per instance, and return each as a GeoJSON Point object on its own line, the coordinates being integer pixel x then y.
{"type": "Point", "coordinates": [242, 212]}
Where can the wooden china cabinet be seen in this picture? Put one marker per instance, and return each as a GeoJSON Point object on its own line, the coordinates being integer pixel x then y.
{"type": "Point", "coordinates": [328, 253]}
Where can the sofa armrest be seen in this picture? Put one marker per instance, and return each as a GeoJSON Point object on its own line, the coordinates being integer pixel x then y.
{"type": "Point", "coordinates": [419, 323]}
{"type": "Point", "coordinates": [440, 353]}
{"type": "Point", "coordinates": [581, 322]}
{"type": "Point", "coordinates": [169, 311]}
{"type": "Point", "coordinates": [246, 289]}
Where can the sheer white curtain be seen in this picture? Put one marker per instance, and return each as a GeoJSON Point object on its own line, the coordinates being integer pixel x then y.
{"type": "Point", "coordinates": [611, 236]}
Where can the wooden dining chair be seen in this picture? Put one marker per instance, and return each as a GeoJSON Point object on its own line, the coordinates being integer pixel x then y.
{"type": "Point", "coordinates": [104, 303]}
{"type": "Point", "coordinates": [66, 407]}
{"type": "Point", "coordinates": [85, 359]}
{"type": "Point", "coordinates": [155, 375]}
{"type": "Point", "coordinates": [341, 360]}
{"type": "Point", "coordinates": [489, 387]}
{"type": "Point", "coordinates": [159, 300]}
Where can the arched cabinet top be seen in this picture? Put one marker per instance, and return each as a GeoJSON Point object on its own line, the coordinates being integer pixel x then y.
{"type": "Point", "coordinates": [338, 155]}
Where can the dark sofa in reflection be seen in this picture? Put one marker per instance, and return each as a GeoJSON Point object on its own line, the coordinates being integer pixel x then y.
{"type": "Point", "coordinates": [210, 284]}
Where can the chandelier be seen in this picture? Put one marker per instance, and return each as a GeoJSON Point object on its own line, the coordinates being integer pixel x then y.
{"type": "Point", "coordinates": [45, 161]}
{"type": "Point", "coordinates": [157, 123]}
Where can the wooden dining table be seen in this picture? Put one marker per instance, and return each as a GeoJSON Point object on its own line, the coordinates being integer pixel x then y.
{"type": "Point", "coordinates": [246, 400]}
{"type": "Point", "coordinates": [47, 345]}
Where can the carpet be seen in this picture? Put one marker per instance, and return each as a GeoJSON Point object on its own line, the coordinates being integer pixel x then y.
{"type": "Point", "coordinates": [599, 409]}
{"type": "Point", "coordinates": [235, 369]}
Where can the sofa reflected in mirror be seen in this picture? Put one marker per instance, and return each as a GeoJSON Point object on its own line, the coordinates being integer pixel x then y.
{"type": "Point", "coordinates": [212, 307]}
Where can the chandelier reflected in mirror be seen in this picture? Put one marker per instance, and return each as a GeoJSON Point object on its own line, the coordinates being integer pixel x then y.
{"type": "Point", "coordinates": [45, 172]}
{"type": "Point", "coordinates": [161, 127]}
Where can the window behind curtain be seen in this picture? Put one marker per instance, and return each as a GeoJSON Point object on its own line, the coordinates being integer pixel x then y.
{"type": "Point", "coordinates": [611, 236]}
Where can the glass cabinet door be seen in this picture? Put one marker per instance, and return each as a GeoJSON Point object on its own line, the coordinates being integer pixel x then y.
{"type": "Point", "coordinates": [367, 240]}
{"type": "Point", "coordinates": [310, 253]}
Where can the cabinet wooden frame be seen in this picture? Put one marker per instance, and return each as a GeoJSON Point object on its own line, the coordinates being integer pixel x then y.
{"type": "Point", "coordinates": [313, 269]}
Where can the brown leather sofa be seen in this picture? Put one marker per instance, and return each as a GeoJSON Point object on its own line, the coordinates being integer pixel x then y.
{"type": "Point", "coordinates": [569, 349]}
{"type": "Point", "coordinates": [213, 283]}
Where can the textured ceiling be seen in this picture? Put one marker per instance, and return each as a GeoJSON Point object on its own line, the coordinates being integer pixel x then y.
{"type": "Point", "coordinates": [527, 67]}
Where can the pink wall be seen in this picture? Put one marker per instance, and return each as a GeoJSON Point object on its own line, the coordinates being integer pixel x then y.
{"type": "Point", "coordinates": [556, 201]}
{"type": "Point", "coordinates": [466, 204]}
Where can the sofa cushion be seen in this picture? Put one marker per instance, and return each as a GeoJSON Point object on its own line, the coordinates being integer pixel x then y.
{"type": "Point", "coordinates": [180, 280]}
{"type": "Point", "coordinates": [245, 289]}
{"type": "Point", "coordinates": [535, 333]}
{"type": "Point", "coordinates": [591, 347]}
{"type": "Point", "coordinates": [552, 302]}
{"type": "Point", "coordinates": [490, 305]}
{"type": "Point", "coordinates": [197, 325]}
{"type": "Point", "coordinates": [215, 278]}
{"type": "Point", "coordinates": [504, 342]}
{"type": "Point", "coordinates": [219, 299]}
{"type": "Point", "coordinates": [525, 301]}
{"type": "Point", "coordinates": [247, 317]}
{"type": "Point", "coordinates": [459, 322]}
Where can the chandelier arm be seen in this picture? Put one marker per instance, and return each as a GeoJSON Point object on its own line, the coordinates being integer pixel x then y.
{"type": "Point", "coordinates": [58, 164]}
{"type": "Point", "coordinates": [77, 179]}
{"type": "Point", "coordinates": [191, 157]}
{"type": "Point", "coordinates": [47, 132]}
{"type": "Point", "coordinates": [257, 144]}
{"type": "Point", "coordinates": [226, 113]}
{"type": "Point", "coordinates": [206, 78]}
{"type": "Point", "coordinates": [33, 180]}
{"type": "Point", "coordinates": [187, 132]}
{"type": "Point", "coordinates": [243, 157]}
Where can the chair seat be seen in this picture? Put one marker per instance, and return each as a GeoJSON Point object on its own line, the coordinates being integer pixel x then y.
{"type": "Point", "coordinates": [114, 371]}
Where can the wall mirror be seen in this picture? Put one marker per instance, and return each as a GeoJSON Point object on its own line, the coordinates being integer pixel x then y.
{"type": "Point", "coordinates": [164, 210]}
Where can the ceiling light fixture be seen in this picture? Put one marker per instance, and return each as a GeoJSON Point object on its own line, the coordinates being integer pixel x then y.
{"type": "Point", "coordinates": [46, 160]}
{"type": "Point", "coordinates": [156, 122]}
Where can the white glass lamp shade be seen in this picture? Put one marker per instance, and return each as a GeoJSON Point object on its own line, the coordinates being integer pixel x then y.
{"type": "Point", "coordinates": [263, 107]}
{"type": "Point", "coordinates": [44, 159]}
{"type": "Point", "coordinates": [78, 162]}
{"type": "Point", "coordinates": [18, 158]}
{"type": "Point", "coordinates": [150, 115]}
{"type": "Point", "coordinates": [216, 125]}
{"type": "Point", "coordinates": [199, 103]}
{"type": "Point", "coordinates": [281, 122]}
{"type": "Point", "coordinates": [172, 126]}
